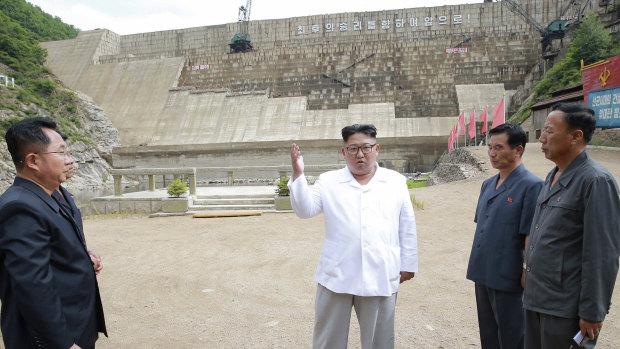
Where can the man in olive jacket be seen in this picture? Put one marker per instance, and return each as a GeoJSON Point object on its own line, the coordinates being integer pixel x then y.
{"type": "Point", "coordinates": [574, 245]}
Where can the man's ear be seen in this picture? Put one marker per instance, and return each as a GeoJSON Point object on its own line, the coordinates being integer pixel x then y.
{"type": "Point", "coordinates": [31, 161]}
{"type": "Point", "coordinates": [519, 150]}
{"type": "Point", "coordinates": [377, 148]}
{"type": "Point", "coordinates": [577, 136]}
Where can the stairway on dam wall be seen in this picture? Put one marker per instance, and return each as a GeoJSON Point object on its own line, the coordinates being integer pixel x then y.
{"type": "Point", "coordinates": [177, 95]}
{"type": "Point", "coordinates": [334, 76]}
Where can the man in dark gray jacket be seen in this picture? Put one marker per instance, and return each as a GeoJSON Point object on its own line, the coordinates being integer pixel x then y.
{"type": "Point", "coordinates": [572, 254]}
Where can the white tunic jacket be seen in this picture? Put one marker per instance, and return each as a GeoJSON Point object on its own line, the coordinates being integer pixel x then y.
{"type": "Point", "coordinates": [370, 231]}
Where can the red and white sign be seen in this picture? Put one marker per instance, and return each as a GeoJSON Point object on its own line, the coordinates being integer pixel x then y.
{"type": "Point", "coordinates": [603, 74]}
{"type": "Point", "coordinates": [201, 66]}
{"type": "Point", "coordinates": [457, 50]}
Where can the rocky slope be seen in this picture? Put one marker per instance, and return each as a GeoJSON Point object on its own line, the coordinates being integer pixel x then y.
{"type": "Point", "coordinates": [92, 169]}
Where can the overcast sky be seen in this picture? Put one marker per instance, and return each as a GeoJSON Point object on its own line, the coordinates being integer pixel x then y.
{"type": "Point", "coordinates": [139, 16]}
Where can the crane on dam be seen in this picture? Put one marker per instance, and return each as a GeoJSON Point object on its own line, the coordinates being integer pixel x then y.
{"type": "Point", "coordinates": [241, 40]}
{"type": "Point", "coordinates": [555, 29]}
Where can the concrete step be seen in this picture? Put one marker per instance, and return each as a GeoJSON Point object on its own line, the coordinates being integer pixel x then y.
{"type": "Point", "coordinates": [234, 201]}
{"type": "Point", "coordinates": [237, 196]}
{"type": "Point", "coordinates": [251, 207]}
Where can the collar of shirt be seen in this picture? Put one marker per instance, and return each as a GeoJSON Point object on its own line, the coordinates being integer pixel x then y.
{"type": "Point", "coordinates": [380, 175]}
{"type": "Point", "coordinates": [570, 170]}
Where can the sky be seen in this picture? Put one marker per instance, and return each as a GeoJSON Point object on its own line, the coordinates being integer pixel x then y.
{"type": "Point", "coordinates": [139, 16]}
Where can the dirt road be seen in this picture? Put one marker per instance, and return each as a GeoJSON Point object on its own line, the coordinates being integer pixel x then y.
{"type": "Point", "coordinates": [247, 282]}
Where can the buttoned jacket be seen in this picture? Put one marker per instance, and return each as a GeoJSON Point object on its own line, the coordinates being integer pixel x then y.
{"type": "Point", "coordinates": [574, 246]}
{"type": "Point", "coordinates": [370, 231]}
{"type": "Point", "coordinates": [503, 217]}
{"type": "Point", "coordinates": [48, 288]}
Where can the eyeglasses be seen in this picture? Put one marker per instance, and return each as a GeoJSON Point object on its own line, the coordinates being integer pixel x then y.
{"type": "Point", "coordinates": [66, 153]}
{"type": "Point", "coordinates": [366, 149]}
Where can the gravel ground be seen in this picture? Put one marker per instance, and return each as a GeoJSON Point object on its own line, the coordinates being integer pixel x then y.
{"type": "Point", "coordinates": [246, 282]}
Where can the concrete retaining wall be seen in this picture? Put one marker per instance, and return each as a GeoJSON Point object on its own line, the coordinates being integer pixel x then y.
{"type": "Point", "coordinates": [307, 77]}
{"type": "Point", "coordinates": [405, 154]}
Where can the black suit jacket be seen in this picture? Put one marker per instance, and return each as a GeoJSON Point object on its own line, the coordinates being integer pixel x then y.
{"type": "Point", "coordinates": [69, 203]}
{"type": "Point", "coordinates": [48, 287]}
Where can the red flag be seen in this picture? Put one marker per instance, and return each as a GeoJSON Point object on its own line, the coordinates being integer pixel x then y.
{"type": "Point", "coordinates": [472, 125]}
{"type": "Point", "coordinates": [483, 117]}
{"type": "Point", "coordinates": [455, 134]}
{"type": "Point", "coordinates": [462, 123]}
{"type": "Point", "coordinates": [498, 114]}
{"type": "Point", "coordinates": [453, 137]}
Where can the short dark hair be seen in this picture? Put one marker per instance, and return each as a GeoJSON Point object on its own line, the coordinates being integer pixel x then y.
{"type": "Point", "coordinates": [25, 133]}
{"type": "Point", "coordinates": [367, 129]}
{"type": "Point", "coordinates": [62, 135]}
{"type": "Point", "coordinates": [516, 135]}
{"type": "Point", "coordinates": [578, 116]}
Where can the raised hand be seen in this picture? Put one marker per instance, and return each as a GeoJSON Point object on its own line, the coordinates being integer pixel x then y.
{"type": "Point", "coordinates": [297, 161]}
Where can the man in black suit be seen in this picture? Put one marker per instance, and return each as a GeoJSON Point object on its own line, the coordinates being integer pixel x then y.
{"type": "Point", "coordinates": [66, 199]}
{"type": "Point", "coordinates": [48, 288]}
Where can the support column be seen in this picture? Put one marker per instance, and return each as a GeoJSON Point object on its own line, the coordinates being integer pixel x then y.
{"type": "Point", "coordinates": [118, 186]}
{"type": "Point", "coordinates": [282, 175]}
{"type": "Point", "coordinates": [151, 182]}
{"type": "Point", "coordinates": [230, 178]}
{"type": "Point", "coordinates": [192, 184]}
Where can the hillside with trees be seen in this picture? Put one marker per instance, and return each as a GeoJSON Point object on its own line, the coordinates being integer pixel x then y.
{"type": "Point", "coordinates": [591, 43]}
{"type": "Point", "coordinates": [37, 92]}
{"type": "Point", "coordinates": [42, 25]}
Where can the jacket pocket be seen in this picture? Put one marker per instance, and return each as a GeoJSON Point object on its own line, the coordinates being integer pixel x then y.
{"type": "Point", "coordinates": [330, 258]}
{"type": "Point", "coordinates": [549, 270]}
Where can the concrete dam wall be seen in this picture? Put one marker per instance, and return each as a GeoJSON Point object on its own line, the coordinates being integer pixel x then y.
{"type": "Point", "coordinates": [306, 78]}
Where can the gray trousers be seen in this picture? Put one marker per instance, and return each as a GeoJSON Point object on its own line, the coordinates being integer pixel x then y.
{"type": "Point", "coordinates": [543, 331]}
{"type": "Point", "coordinates": [333, 314]}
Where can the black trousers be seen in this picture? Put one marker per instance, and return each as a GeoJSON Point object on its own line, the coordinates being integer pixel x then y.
{"type": "Point", "coordinates": [500, 318]}
{"type": "Point", "coordinates": [543, 331]}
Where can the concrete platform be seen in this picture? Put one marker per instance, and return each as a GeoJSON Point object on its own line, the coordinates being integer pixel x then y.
{"type": "Point", "coordinates": [150, 202]}
{"type": "Point", "coordinates": [206, 192]}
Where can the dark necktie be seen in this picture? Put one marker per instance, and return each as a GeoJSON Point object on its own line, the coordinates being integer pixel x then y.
{"type": "Point", "coordinates": [68, 212]}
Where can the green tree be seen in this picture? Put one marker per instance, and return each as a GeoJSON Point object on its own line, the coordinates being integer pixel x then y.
{"type": "Point", "coordinates": [592, 43]}
{"type": "Point", "coordinates": [43, 26]}
{"type": "Point", "coordinates": [22, 26]}
{"type": "Point", "coordinates": [176, 188]}
{"type": "Point", "coordinates": [19, 49]}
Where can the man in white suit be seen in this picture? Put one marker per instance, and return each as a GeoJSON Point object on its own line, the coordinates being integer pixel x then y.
{"type": "Point", "coordinates": [370, 241]}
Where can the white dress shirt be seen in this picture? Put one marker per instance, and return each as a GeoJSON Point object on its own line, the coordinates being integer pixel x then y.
{"type": "Point", "coordinates": [370, 231]}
